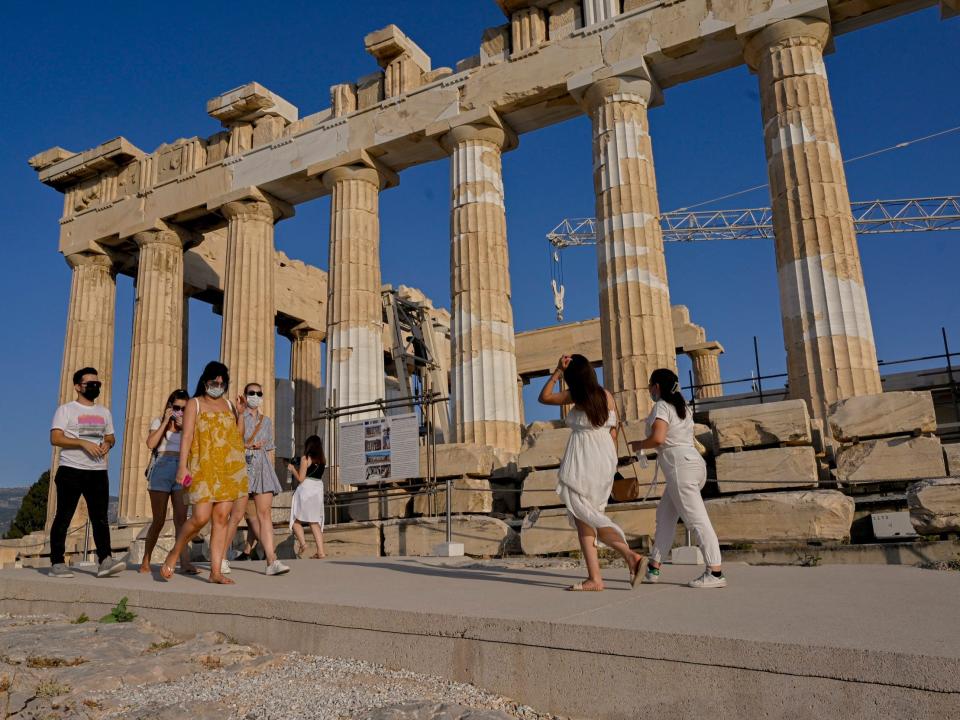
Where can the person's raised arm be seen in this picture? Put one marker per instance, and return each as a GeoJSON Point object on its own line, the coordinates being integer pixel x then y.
{"type": "Point", "coordinates": [155, 436]}
{"type": "Point", "coordinates": [547, 395]}
{"type": "Point", "coordinates": [186, 438]}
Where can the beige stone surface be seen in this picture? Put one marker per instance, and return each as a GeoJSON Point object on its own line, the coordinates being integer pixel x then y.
{"type": "Point", "coordinates": [951, 456]}
{"type": "Point", "coordinates": [889, 413]}
{"type": "Point", "coordinates": [565, 16]}
{"type": "Point", "coordinates": [767, 469]}
{"type": "Point", "coordinates": [746, 426]}
{"type": "Point", "coordinates": [898, 458]}
{"type": "Point", "coordinates": [470, 495]}
{"type": "Point", "coordinates": [460, 459]}
{"type": "Point", "coordinates": [376, 504]}
{"type": "Point", "coordinates": [305, 351]}
{"type": "Point", "coordinates": [343, 540]}
{"type": "Point", "coordinates": [495, 44]}
{"type": "Point", "coordinates": [552, 532]}
{"type": "Point", "coordinates": [826, 318]}
{"type": "Point", "coordinates": [540, 489]}
{"type": "Point", "coordinates": [809, 515]}
{"type": "Point", "coordinates": [481, 536]}
{"type": "Point", "coordinates": [543, 447]}
{"type": "Point", "coordinates": [935, 505]}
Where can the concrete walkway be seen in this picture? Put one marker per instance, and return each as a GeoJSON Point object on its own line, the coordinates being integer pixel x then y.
{"type": "Point", "coordinates": [882, 641]}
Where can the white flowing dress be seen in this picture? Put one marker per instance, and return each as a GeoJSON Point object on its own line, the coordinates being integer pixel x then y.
{"type": "Point", "coordinates": [587, 470]}
{"type": "Point", "coordinates": [307, 504]}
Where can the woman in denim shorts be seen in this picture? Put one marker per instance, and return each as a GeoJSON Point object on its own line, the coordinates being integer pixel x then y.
{"type": "Point", "coordinates": [164, 441]}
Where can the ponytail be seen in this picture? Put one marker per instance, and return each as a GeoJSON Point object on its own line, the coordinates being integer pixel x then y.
{"type": "Point", "coordinates": [668, 384]}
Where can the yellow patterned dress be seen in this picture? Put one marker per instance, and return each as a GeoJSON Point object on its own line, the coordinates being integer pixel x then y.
{"type": "Point", "coordinates": [216, 462]}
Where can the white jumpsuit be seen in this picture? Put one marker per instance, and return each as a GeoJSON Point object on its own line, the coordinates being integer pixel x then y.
{"type": "Point", "coordinates": [684, 474]}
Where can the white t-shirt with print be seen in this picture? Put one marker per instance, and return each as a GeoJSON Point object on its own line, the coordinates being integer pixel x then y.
{"type": "Point", "coordinates": [170, 441]}
{"type": "Point", "coordinates": [679, 432]}
{"type": "Point", "coordinates": [82, 422]}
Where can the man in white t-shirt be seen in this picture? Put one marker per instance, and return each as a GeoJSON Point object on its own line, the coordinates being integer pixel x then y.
{"type": "Point", "coordinates": [83, 430]}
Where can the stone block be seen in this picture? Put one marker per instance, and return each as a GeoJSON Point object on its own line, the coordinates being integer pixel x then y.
{"type": "Point", "coordinates": [468, 63]}
{"type": "Point", "coordinates": [540, 489]}
{"type": "Point", "coordinates": [376, 503]}
{"type": "Point", "coordinates": [785, 422]}
{"type": "Point", "coordinates": [795, 516]}
{"type": "Point", "coordinates": [470, 495]}
{"type": "Point", "coordinates": [344, 540]}
{"type": "Point", "coordinates": [704, 435]}
{"type": "Point", "coordinates": [460, 459]}
{"type": "Point", "coordinates": [543, 447]}
{"type": "Point", "coordinates": [883, 414]}
{"type": "Point", "coordinates": [951, 456]}
{"type": "Point", "coordinates": [935, 505]}
{"type": "Point", "coordinates": [897, 458]}
{"type": "Point", "coordinates": [552, 533]}
{"type": "Point", "coordinates": [767, 469]}
{"type": "Point", "coordinates": [495, 44]}
{"type": "Point", "coordinates": [565, 16]}
{"type": "Point", "coordinates": [369, 90]}
{"type": "Point", "coordinates": [481, 536]}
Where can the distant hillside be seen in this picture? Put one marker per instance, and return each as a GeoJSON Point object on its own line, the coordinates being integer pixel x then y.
{"type": "Point", "coordinates": [9, 504]}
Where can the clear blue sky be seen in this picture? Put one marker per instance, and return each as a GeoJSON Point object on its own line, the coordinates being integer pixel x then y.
{"type": "Point", "coordinates": [77, 75]}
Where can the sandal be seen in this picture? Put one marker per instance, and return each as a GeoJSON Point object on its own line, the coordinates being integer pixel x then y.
{"type": "Point", "coordinates": [318, 556]}
{"type": "Point", "coordinates": [578, 587]}
{"type": "Point", "coordinates": [637, 575]}
{"type": "Point", "coordinates": [299, 548]}
{"type": "Point", "coordinates": [166, 572]}
{"type": "Point", "coordinates": [192, 570]}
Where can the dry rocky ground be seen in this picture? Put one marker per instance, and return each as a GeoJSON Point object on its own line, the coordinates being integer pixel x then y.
{"type": "Point", "coordinates": [54, 668]}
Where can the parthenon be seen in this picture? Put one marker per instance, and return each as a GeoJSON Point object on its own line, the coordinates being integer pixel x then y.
{"type": "Point", "coordinates": [196, 216]}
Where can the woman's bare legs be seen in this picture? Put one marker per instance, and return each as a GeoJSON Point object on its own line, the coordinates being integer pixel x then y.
{"type": "Point", "coordinates": [189, 530]}
{"type": "Point", "coordinates": [301, 540]}
{"type": "Point", "coordinates": [158, 508]}
{"type": "Point", "coordinates": [237, 511]}
{"type": "Point", "coordinates": [318, 539]}
{"type": "Point", "coordinates": [612, 539]}
{"type": "Point", "coordinates": [179, 518]}
{"type": "Point", "coordinates": [219, 533]}
{"type": "Point", "coordinates": [264, 520]}
{"type": "Point", "coordinates": [587, 536]}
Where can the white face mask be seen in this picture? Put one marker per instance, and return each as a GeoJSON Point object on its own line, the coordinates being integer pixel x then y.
{"type": "Point", "coordinates": [654, 394]}
{"type": "Point", "coordinates": [215, 392]}
{"type": "Point", "coordinates": [254, 401]}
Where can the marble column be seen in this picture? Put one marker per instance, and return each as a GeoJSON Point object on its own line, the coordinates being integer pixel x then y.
{"type": "Point", "coordinates": [88, 341]}
{"type": "Point", "coordinates": [823, 302]}
{"type": "Point", "coordinates": [485, 404]}
{"type": "Point", "coordinates": [156, 358]}
{"type": "Point", "coordinates": [354, 306]}
{"type": "Point", "coordinates": [706, 370]}
{"type": "Point", "coordinates": [305, 349]}
{"type": "Point", "coordinates": [595, 11]}
{"type": "Point", "coordinates": [636, 327]}
{"type": "Point", "coordinates": [248, 337]}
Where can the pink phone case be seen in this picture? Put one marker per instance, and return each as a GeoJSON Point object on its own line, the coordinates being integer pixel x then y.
{"type": "Point", "coordinates": [187, 480]}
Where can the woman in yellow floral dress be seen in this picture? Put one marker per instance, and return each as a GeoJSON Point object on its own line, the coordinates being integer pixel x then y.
{"type": "Point", "coordinates": [212, 468]}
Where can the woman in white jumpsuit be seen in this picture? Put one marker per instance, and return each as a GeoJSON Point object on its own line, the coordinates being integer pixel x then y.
{"type": "Point", "coordinates": [588, 466]}
{"type": "Point", "coordinates": [670, 433]}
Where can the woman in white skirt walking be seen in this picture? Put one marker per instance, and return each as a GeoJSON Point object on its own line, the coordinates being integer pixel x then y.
{"type": "Point", "coordinates": [307, 505]}
{"type": "Point", "coordinates": [588, 466]}
{"type": "Point", "coordinates": [670, 433]}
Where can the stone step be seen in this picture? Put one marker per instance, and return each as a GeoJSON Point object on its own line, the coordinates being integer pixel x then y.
{"type": "Point", "coordinates": [792, 516]}
{"type": "Point", "coordinates": [344, 540]}
{"type": "Point", "coordinates": [749, 426]}
{"type": "Point", "coordinates": [481, 536]}
{"type": "Point", "coordinates": [883, 414]}
{"type": "Point", "coordinates": [897, 458]}
{"type": "Point", "coordinates": [552, 533]}
{"type": "Point", "coordinates": [376, 503]}
{"type": "Point", "coordinates": [935, 505]}
{"type": "Point", "coordinates": [769, 468]}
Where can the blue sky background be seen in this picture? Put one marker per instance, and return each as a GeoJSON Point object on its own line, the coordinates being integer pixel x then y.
{"type": "Point", "coordinates": [76, 76]}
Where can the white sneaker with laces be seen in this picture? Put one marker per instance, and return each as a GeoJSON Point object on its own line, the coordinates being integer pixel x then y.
{"type": "Point", "coordinates": [708, 580]}
{"type": "Point", "coordinates": [651, 577]}
{"type": "Point", "coordinates": [277, 568]}
{"type": "Point", "coordinates": [224, 567]}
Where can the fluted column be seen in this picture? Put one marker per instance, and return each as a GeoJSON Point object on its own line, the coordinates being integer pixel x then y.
{"type": "Point", "coordinates": [706, 370]}
{"type": "Point", "coordinates": [88, 341]}
{"type": "Point", "coordinates": [823, 301]}
{"type": "Point", "coordinates": [249, 306]}
{"type": "Point", "coordinates": [354, 305]}
{"type": "Point", "coordinates": [485, 405]}
{"type": "Point", "coordinates": [156, 358]}
{"type": "Point", "coordinates": [305, 348]}
{"type": "Point", "coordinates": [595, 11]}
{"type": "Point", "coordinates": [636, 327]}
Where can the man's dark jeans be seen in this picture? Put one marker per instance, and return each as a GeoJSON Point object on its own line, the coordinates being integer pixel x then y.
{"type": "Point", "coordinates": [94, 487]}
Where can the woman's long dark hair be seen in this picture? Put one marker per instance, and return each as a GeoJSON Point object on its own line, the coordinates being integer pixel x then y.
{"type": "Point", "coordinates": [212, 371]}
{"type": "Point", "coordinates": [585, 391]}
{"type": "Point", "coordinates": [313, 449]}
{"type": "Point", "coordinates": [669, 385]}
{"type": "Point", "coordinates": [178, 394]}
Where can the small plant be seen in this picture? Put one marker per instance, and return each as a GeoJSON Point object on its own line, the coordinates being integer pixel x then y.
{"type": "Point", "coordinates": [40, 661]}
{"type": "Point", "coordinates": [80, 619]}
{"type": "Point", "coordinates": [165, 645]}
{"type": "Point", "coordinates": [119, 614]}
{"type": "Point", "coordinates": [50, 688]}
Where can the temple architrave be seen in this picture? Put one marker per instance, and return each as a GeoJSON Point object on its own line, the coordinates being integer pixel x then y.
{"type": "Point", "coordinates": [196, 217]}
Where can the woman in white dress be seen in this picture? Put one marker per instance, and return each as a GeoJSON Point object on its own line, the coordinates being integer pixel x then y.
{"type": "Point", "coordinates": [670, 433]}
{"type": "Point", "coordinates": [588, 466]}
{"type": "Point", "coordinates": [307, 505]}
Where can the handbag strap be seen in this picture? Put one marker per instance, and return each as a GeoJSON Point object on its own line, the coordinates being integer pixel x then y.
{"type": "Point", "coordinates": [256, 429]}
{"type": "Point", "coordinates": [633, 463]}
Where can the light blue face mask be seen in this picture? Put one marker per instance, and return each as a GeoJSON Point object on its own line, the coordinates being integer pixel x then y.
{"type": "Point", "coordinates": [214, 391]}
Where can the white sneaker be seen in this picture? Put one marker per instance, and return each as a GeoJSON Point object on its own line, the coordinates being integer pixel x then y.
{"type": "Point", "coordinates": [708, 580]}
{"type": "Point", "coordinates": [224, 567]}
{"type": "Point", "coordinates": [277, 568]}
{"type": "Point", "coordinates": [651, 576]}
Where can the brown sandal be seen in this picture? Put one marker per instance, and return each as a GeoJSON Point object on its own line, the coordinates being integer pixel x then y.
{"type": "Point", "coordinates": [578, 587]}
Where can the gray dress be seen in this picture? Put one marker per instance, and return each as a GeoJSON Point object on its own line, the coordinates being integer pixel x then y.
{"type": "Point", "coordinates": [263, 478]}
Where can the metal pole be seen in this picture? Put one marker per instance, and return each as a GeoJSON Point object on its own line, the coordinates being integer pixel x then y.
{"type": "Point", "coordinates": [953, 385]}
{"type": "Point", "coordinates": [86, 541]}
{"type": "Point", "coordinates": [693, 391]}
{"type": "Point", "coordinates": [756, 360]}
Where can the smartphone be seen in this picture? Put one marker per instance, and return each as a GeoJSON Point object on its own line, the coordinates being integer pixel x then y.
{"type": "Point", "coordinates": [187, 480]}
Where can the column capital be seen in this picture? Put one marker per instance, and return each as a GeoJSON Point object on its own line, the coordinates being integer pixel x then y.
{"type": "Point", "coordinates": [354, 165]}
{"type": "Point", "coordinates": [630, 77]}
{"type": "Point", "coordinates": [803, 19]}
{"type": "Point", "coordinates": [703, 349]}
{"type": "Point", "coordinates": [483, 124]}
{"type": "Point", "coordinates": [93, 259]}
{"type": "Point", "coordinates": [304, 331]}
{"type": "Point", "coordinates": [253, 203]}
{"type": "Point", "coordinates": [161, 233]}
{"type": "Point", "coordinates": [248, 209]}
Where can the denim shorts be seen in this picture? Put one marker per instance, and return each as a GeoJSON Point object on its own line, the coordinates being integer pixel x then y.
{"type": "Point", "coordinates": [163, 474]}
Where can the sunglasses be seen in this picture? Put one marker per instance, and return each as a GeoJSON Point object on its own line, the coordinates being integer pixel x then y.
{"type": "Point", "coordinates": [91, 384]}
{"type": "Point", "coordinates": [179, 408]}
{"type": "Point", "coordinates": [251, 393]}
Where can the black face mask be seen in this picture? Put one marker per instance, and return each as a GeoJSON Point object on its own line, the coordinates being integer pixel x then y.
{"type": "Point", "coordinates": [91, 393]}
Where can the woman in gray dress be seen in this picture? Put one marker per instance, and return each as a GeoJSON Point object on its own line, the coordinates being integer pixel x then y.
{"type": "Point", "coordinates": [257, 431]}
